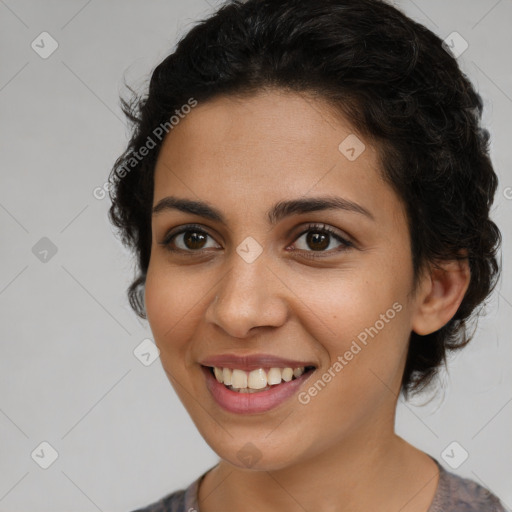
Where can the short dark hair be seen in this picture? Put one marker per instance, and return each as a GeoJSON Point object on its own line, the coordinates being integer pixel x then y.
{"type": "Point", "coordinates": [394, 81]}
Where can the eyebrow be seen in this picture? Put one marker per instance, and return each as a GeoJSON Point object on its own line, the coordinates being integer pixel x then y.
{"type": "Point", "coordinates": [279, 211]}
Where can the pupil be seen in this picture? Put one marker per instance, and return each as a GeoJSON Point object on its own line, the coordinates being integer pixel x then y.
{"type": "Point", "coordinates": [193, 239]}
{"type": "Point", "coordinates": [313, 238]}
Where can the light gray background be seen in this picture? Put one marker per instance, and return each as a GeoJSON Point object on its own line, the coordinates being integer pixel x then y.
{"type": "Point", "coordinates": [68, 374]}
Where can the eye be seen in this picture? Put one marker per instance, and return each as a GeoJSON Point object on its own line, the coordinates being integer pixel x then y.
{"type": "Point", "coordinates": [319, 237]}
{"type": "Point", "coordinates": [193, 239]}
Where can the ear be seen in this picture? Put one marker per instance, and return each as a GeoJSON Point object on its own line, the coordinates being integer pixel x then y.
{"type": "Point", "coordinates": [440, 293]}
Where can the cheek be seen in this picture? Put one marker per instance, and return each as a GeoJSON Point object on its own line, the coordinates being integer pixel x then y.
{"type": "Point", "coordinates": [169, 308]}
{"type": "Point", "coordinates": [364, 327]}
{"type": "Point", "coordinates": [348, 307]}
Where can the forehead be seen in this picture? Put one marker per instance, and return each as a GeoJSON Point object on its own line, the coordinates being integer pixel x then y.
{"type": "Point", "coordinates": [284, 124]}
{"type": "Point", "coordinates": [250, 152]}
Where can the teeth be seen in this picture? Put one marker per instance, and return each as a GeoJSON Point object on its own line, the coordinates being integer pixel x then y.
{"type": "Point", "coordinates": [297, 372]}
{"type": "Point", "coordinates": [219, 374]}
{"type": "Point", "coordinates": [239, 379]}
{"type": "Point", "coordinates": [259, 379]}
{"type": "Point", "coordinates": [247, 390]}
{"type": "Point", "coordinates": [287, 374]}
{"type": "Point", "coordinates": [274, 376]}
{"type": "Point", "coordinates": [226, 376]}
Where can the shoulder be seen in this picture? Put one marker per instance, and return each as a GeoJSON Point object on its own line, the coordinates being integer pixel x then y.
{"type": "Point", "coordinates": [174, 502]}
{"type": "Point", "coordinates": [458, 494]}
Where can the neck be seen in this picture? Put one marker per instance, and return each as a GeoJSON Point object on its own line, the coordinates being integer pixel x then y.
{"type": "Point", "coordinates": [357, 474]}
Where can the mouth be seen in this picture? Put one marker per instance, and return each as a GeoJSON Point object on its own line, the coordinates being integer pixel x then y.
{"type": "Point", "coordinates": [255, 390]}
{"type": "Point", "coordinates": [257, 380]}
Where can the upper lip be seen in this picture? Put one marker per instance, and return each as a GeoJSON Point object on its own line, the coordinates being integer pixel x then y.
{"type": "Point", "coordinates": [252, 362]}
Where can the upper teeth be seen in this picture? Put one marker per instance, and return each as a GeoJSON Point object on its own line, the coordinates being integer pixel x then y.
{"type": "Point", "coordinates": [256, 379]}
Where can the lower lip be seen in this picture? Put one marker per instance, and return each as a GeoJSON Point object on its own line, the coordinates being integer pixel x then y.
{"type": "Point", "coordinates": [251, 403]}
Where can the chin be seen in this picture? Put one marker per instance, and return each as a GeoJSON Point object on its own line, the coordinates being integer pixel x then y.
{"type": "Point", "coordinates": [254, 455]}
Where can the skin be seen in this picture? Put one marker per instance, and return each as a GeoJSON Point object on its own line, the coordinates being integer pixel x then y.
{"type": "Point", "coordinates": [339, 452]}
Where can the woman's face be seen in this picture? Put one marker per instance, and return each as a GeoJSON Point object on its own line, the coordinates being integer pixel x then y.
{"type": "Point", "coordinates": [254, 287]}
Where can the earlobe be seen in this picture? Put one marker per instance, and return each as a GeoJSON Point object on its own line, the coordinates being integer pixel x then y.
{"type": "Point", "coordinates": [441, 295]}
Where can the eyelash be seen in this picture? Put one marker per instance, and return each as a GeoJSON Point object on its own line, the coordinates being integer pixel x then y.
{"type": "Point", "coordinates": [316, 228]}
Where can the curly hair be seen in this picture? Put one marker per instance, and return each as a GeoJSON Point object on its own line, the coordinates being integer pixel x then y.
{"type": "Point", "coordinates": [397, 84]}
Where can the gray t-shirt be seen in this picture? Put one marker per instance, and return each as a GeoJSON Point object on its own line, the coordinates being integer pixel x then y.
{"type": "Point", "coordinates": [454, 494]}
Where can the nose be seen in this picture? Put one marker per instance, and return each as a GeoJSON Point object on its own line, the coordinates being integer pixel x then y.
{"type": "Point", "coordinates": [250, 295]}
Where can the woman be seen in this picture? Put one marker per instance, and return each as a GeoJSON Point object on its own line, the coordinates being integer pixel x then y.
{"type": "Point", "coordinates": [307, 190]}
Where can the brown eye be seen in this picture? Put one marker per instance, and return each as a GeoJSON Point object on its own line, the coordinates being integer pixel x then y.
{"type": "Point", "coordinates": [319, 237]}
{"type": "Point", "coordinates": [194, 240]}
{"type": "Point", "coordinates": [317, 241]}
{"type": "Point", "coordinates": [188, 239]}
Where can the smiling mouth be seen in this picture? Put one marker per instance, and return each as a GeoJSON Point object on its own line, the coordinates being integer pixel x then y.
{"type": "Point", "coordinates": [260, 379]}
